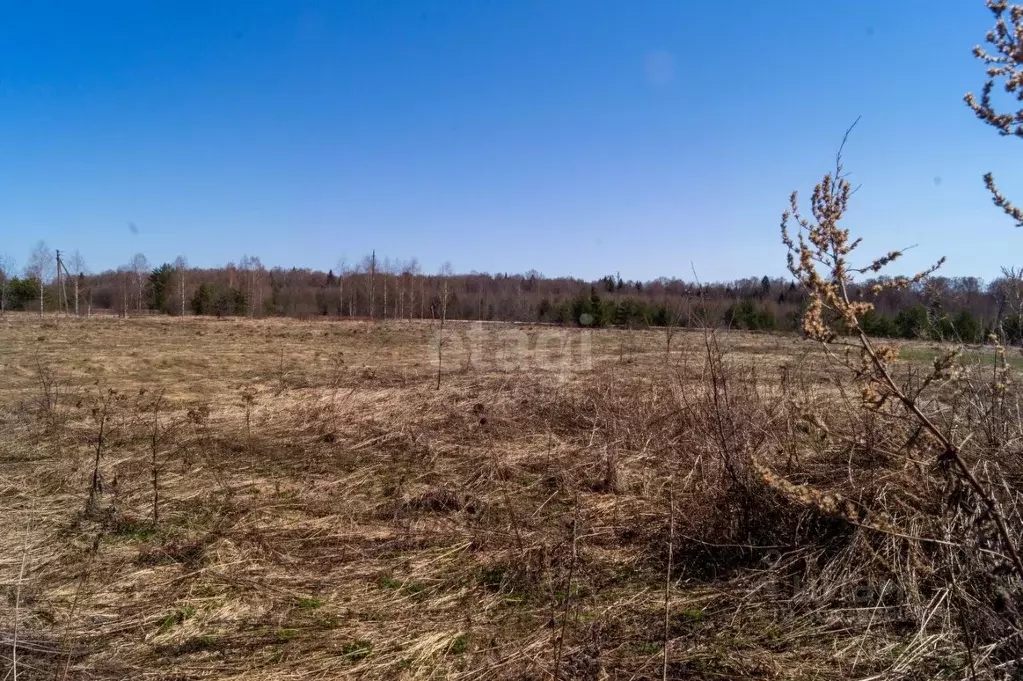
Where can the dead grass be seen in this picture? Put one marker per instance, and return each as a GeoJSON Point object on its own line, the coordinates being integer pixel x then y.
{"type": "Point", "coordinates": [361, 523]}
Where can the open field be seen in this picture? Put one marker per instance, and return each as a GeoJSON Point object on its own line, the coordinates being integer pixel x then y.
{"type": "Point", "coordinates": [277, 499]}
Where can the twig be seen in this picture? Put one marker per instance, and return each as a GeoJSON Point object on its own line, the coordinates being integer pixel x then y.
{"type": "Point", "coordinates": [155, 469]}
{"type": "Point", "coordinates": [667, 577]}
{"type": "Point", "coordinates": [74, 605]}
{"type": "Point", "coordinates": [507, 500]}
{"type": "Point", "coordinates": [96, 486]}
{"type": "Point", "coordinates": [830, 245]}
{"type": "Point", "coordinates": [17, 605]}
{"type": "Point", "coordinates": [951, 452]}
{"type": "Point", "coordinates": [568, 591]}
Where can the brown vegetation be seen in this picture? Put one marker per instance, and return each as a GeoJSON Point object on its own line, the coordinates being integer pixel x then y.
{"type": "Point", "coordinates": [323, 509]}
{"type": "Point", "coordinates": [269, 499]}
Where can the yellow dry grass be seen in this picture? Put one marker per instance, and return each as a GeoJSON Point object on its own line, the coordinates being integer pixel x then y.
{"type": "Point", "coordinates": [326, 512]}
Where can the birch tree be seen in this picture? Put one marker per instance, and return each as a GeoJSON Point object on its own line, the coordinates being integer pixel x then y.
{"type": "Point", "coordinates": [75, 265]}
{"type": "Point", "coordinates": [40, 268]}
{"type": "Point", "coordinates": [385, 271]}
{"type": "Point", "coordinates": [342, 269]}
{"type": "Point", "coordinates": [252, 278]}
{"type": "Point", "coordinates": [445, 274]}
{"type": "Point", "coordinates": [353, 274]}
{"type": "Point", "coordinates": [140, 271]}
{"type": "Point", "coordinates": [124, 275]}
{"type": "Point", "coordinates": [370, 265]}
{"type": "Point", "coordinates": [410, 274]}
{"type": "Point", "coordinates": [180, 265]}
{"type": "Point", "coordinates": [6, 270]}
{"type": "Point", "coordinates": [257, 274]}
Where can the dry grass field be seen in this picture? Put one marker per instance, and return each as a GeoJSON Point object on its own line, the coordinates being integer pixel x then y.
{"type": "Point", "coordinates": [279, 499]}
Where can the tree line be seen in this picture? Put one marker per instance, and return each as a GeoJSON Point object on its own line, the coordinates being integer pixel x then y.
{"type": "Point", "coordinates": [962, 308]}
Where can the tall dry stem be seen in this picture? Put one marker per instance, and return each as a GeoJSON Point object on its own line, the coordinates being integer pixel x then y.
{"type": "Point", "coordinates": [155, 470]}
{"type": "Point", "coordinates": [819, 259]}
{"type": "Point", "coordinates": [101, 414]}
{"type": "Point", "coordinates": [568, 591]}
{"type": "Point", "coordinates": [1004, 62]}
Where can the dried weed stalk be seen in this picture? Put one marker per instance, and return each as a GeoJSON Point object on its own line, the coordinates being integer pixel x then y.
{"type": "Point", "coordinates": [101, 415]}
{"type": "Point", "coordinates": [1004, 61]}
{"type": "Point", "coordinates": [819, 258]}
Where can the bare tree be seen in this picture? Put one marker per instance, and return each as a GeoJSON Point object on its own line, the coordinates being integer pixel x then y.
{"type": "Point", "coordinates": [370, 265]}
{"type": "Point", "coordinates": [404, 272]}
{"type": "Point", "coordinates": [342, 269]}
{"type": "Point", "coordinates": [6, 268]}
{"type": "Point", "coordinates": [479, 298]}
{"type": "Point", "coordinates": [445, 274]}
{"type": "Point", "coordinates": [674, 311]}
{"type": "Point", "coordinates": [385, 270]}
{"type": "Point", "coordinates": [75, 265]}
{"type": "Point", "coordinates": [124, 274]}
{"type": "Point", "coordinates": [243, 271]}
{"type": "Point", "coordinates": [180, 265]}
{"type": "Point", "coordinates": [252, 274]}
{"type": "Point", "coordinates": [353, 273]}
{"type": "Point", "coordinates": [422, 296]}
{"type": "Point", "coordinates": [1008, 294]}
{"type": "Point", "coordinates": [1004, 60]}
{"type": "Point", "coordinates": [140, 269]}
{"type": "Point", "coordinates": [410, 274]}
{"type": "Point", "coordinates": [40, 267]}
{"type": "Point", "coordinates": [257, 273]}
{"type": "Point", "coordinates": [82, 284]}
{"type": "Point", "coordinates": [399, 288]}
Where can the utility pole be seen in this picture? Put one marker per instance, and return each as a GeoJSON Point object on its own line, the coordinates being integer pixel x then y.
{"type": "Point", "coordinates": [58, 282]}
{"type": "Point", "coordinates": [63, 288]}
{"type": "Point", "coordinates": [372, 273]}
{"type": "Point", "coordinates": [62, 299]}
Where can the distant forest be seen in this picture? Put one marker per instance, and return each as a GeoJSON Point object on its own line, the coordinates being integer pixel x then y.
{"type": "Point", "coordinates": [939, 308]}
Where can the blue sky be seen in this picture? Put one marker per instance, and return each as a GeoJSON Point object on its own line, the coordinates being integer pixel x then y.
{"type": "Point", "coordinates": [576, 138]}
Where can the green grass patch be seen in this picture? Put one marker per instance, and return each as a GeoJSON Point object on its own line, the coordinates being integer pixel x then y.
{"type": "Point", "coordinates": [357, 650]}
{"type": "Point", "coordinates": [310, 603]}
{"type": "Point", "coordinates": [175, 618]}
{"type": "Point", "coordinates": [576, 591]}
{"type": "Point", "coordinates": [693, 616]}
{"type": "Point", "coordinates": [459, 645]}
{"type": "Point", "coordinates": [387, 582]}
{"type": "Point", "coordinates": [330, 621]}
{"type": "Point", "coordinates": [493, 577]}
{"type": "Point", "coordinates": [140, 531]}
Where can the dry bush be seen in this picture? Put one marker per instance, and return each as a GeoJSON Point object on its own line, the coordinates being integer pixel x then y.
{"type": "Point", "coordinates": [1004, 62]}
{"type": "Point", "coordinates": [932, 467]}
{"type": "Point", "coordinates": [364, 524]}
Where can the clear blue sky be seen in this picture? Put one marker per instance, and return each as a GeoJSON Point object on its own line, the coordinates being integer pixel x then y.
{"type": "Point", "coordinates": [574, 137]}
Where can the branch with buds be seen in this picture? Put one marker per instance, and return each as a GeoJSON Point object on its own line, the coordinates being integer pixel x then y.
{"type": "Point", "coordinates": [819, 259]}
{"type": "Point", "coordinates": [1004, 62]}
